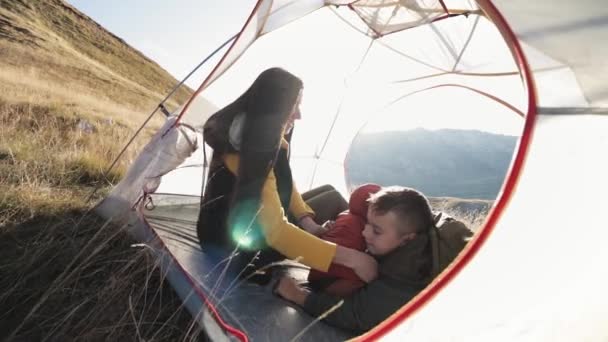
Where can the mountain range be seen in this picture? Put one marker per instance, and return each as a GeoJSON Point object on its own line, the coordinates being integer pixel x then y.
{"type": "Point", "coordinates": [467, 164]}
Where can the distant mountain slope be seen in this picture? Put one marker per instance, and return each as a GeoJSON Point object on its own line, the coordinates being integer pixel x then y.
{"type": "Point", "coordinates": [447, 162]}
{"type": "Point", "coordinates": [49, 47]}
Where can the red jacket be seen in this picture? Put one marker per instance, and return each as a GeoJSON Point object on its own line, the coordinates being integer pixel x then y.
{"type": "Point", "coordinates": [347, 231]}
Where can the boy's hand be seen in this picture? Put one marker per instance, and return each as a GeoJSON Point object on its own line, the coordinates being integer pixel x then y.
{"type": "Point", "coordinates": [289, 289]}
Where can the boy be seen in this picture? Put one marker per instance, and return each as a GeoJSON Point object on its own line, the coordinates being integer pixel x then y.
{"type": "Point", "coordinates": [396, 235]}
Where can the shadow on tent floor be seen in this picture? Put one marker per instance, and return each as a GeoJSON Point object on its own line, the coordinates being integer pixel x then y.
{"type": "Point", "coordinates": [238, 308]}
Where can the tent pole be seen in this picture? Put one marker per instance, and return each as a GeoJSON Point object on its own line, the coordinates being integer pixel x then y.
{"type": "Point", "coordinates": [196, 68]}
{"type": "Point", "coordinates": [159, 106]}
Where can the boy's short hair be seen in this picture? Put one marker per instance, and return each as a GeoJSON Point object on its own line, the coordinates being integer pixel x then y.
{"type": "Point", "coordinates": [410, 206]}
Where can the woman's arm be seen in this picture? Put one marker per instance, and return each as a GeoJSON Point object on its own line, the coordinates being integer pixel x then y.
{"type": "Point", "coordinates": [288, 239]}
{"type": "Point", "coordinates": [297, 206]}
{"type": "Point", "coordinates": [304, 213]}
{"type": "Point", "coordinates": [283, 236]}
{"type": "Point", "coordinates": [364, 265]}
{"type": "Point", "coordinates": [295, 243]}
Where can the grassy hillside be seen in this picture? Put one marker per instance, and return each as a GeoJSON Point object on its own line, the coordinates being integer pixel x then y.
{"type": "Point", "coordinates": [71, 95]}
{"type": "Point", "coordinates": [50, 48]}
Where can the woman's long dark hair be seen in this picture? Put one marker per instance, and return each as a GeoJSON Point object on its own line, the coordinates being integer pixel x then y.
{"type": "Point", "coordinates": [270, 101]}
{"type": "Point", "coordinates": [229, 204]}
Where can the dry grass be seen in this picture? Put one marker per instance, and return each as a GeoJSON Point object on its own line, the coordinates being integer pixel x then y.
{"type": "Point", "coordinates": [71, 95]}
{"type": "Point", "coordinates": [42, 146]}
{"type": "Point", "coordinates": [65, 275]}
{"type": "Point", "coordinates": [471, 212]}
{"type": "Point", "coordinates": [73, 277]}
{"type": "Point", "coordinates": [32, 87]}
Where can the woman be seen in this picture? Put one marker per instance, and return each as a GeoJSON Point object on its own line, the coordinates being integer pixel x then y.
{"type": "Point", "coordinates": [250, 192]}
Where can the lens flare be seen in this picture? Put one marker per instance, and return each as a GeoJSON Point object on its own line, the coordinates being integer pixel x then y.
{"type": "Point", "coordinates": [245, 229]}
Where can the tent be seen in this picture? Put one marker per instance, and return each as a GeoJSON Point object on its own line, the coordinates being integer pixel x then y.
{"type": "Point", "coordinates": [535, 271]}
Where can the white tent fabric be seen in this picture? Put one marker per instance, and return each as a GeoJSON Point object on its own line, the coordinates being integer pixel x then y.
{"type": "Point", "coordinates": [570, 32]}
{"type": "Point", "coordinates": [344, 86]}
{"type": "Point", "coordinates": [536, 270]}
{"type": "Point", "coordinates": [164, 153]}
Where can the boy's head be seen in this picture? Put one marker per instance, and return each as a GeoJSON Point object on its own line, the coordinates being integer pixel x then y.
{"type": "Point", "coordinates": [395, 216]}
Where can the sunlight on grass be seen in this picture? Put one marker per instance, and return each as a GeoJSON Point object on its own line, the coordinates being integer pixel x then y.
{"type": "Point", "coordinates": [472, 213]}
{"type": "Point", "coordinates": [40, 147]}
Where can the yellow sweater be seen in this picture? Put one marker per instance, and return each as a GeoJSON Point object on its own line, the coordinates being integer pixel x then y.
{"type": "Point", "coordinates": [288, 239]}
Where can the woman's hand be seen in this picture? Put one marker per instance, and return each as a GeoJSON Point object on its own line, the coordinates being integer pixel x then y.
{"type": "Point", "coordinates": [289, 289]}
{"type": "Point", "coordinates": [309, 225]}
{"type": "Point", "coordinates": [364, 265]}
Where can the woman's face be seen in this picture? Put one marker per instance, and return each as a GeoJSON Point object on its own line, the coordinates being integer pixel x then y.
{"type": "Point", "coordinates": [295, 114]}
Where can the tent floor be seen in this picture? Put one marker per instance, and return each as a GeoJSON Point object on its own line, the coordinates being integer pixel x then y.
{"type": "Point", "coordinates": [199, 278]}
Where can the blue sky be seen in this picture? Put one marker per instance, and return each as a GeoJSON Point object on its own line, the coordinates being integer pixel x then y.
{"type": "Point", "coordinates": [176, 34]}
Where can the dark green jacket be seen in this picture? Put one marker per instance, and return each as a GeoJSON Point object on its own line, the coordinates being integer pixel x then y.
{"type": "Point", "coordinates": [402, 274]}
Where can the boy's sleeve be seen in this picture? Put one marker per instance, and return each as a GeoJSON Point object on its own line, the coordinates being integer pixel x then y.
{"type": "Point", "coordinates": [361, 311]}
{"type": "Point", "coordinates": [297, 206]}
{"type": "Point", "coordinates": [280, 234]}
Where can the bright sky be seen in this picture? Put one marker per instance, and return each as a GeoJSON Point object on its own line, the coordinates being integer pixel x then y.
{"type": "Point", "coordinates": [176, 34]}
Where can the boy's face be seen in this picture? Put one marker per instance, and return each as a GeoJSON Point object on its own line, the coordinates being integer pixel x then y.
{"type": "Point", "coordinates": [382, 234]}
